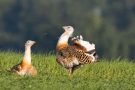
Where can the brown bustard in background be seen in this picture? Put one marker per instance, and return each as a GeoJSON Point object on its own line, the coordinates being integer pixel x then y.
{"type": "Point", "coordinates": [70, 56]}
{"type": "Point", "coordinates": [26, 67]}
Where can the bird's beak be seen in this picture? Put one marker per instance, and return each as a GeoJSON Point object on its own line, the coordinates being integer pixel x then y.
{"type": "Point", "coordinates": [64, 27]}
{"type": "Point", "coordinates": [34, 42]}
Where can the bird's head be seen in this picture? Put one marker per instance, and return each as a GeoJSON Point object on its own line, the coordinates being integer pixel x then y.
{"type": "Point", "coordinates": [29, 43]}
{"type": "Point", "coordinates": [68, 30]}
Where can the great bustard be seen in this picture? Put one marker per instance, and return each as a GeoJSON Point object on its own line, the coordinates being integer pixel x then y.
{"type": "Point", "coordinates": [25, 67]}
{"type": "Point", "coordinates": [70, 56]}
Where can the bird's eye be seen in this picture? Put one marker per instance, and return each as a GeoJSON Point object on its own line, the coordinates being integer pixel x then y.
{"type": "Point", "coordinates": [28, 42]}
{"type": "Point", "coordinates": [68, 27]}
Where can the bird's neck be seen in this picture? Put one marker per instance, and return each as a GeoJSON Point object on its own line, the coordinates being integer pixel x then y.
{"type": "Point", "coordinates": [27, 55]}
{"type": "Point", "coordinates": [63, 40]}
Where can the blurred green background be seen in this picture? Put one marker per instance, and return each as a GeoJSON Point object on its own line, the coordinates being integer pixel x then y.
{"type": "Point", "coordinates": [110, 24]}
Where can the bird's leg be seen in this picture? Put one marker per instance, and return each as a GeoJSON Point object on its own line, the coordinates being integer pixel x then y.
{"type": "Point", "coordinates": [70, 71]}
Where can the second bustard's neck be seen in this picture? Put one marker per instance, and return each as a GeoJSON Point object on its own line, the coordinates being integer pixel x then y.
{"type": "Point", "coordinates": [27, 55]}
{"type": "Point", "coordinates": [63, 40]}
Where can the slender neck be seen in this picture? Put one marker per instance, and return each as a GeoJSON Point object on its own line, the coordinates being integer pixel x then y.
{"type": "Point", "coordinates": [63, 40]}
{"type": "Point", "coordinates": [27, 55]}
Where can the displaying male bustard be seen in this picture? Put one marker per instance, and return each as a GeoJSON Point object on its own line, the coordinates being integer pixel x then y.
{"type": "Point", "coordinates": [70, 56]}
{"type": "Point", "coordinates": [25, 67]}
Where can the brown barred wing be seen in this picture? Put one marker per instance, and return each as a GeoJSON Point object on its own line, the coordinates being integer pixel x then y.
{"type": "Point", "coordinates": [83, 57]}
{"type": "Point", "coordinates": [16, 68]}
{"type": "Point", "coordinates": [70, 53]}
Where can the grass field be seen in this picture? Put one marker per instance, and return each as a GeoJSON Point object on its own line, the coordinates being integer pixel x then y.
{"type": "Point", "coordinates": [104, 75]}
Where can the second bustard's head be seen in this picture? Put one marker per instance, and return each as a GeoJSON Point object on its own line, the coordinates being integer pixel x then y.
{"type": "Point", "coordinates": [68, 30]}
{"type": "Point", "coordinates": [29, 43]}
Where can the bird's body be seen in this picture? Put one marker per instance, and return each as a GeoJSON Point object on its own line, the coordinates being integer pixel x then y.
{"type": "Point", "coordinates": [26, 67]}
{"type": "Point", "coordinates": [70, 56]}
{"type": "Point", "coordinates": [73, 56]}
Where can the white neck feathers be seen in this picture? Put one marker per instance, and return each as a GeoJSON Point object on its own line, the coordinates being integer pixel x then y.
{"type": "Point", "coordinates": [63, 40]}
{"type": "Point", "coordinates": [27, 55]}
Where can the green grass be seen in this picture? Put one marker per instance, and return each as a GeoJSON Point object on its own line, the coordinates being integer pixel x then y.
{"type": "Point", "coordinates": [104, 75]}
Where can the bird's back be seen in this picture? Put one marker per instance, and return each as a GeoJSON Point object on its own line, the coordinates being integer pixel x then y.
{"type": "Point", "coordinates": [71, 56]}
{"type": "Point", "coordinates": [16, 68]}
